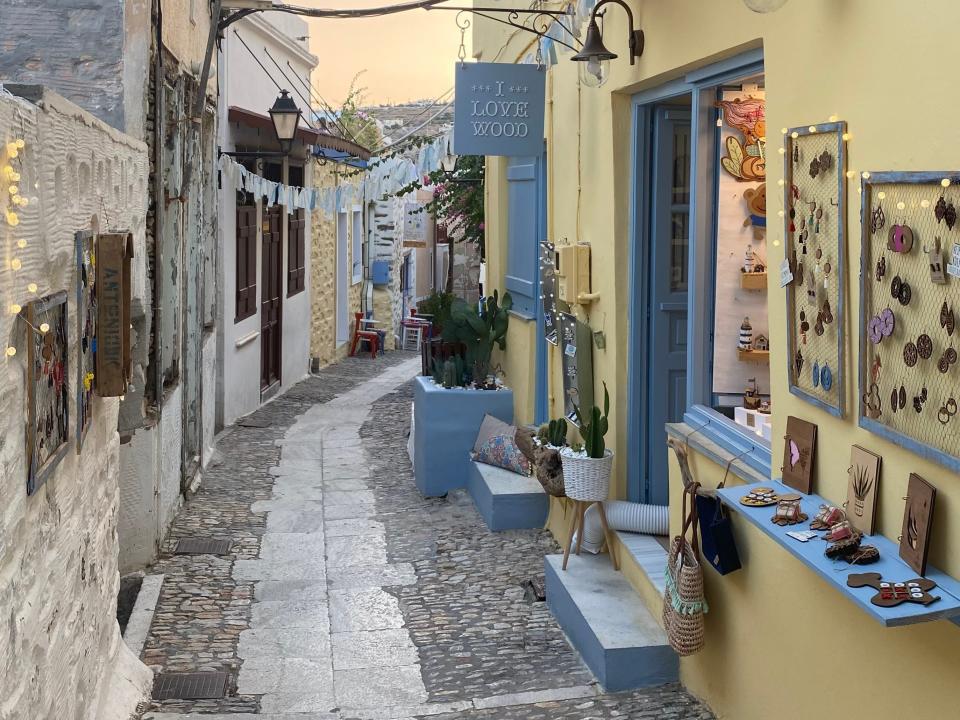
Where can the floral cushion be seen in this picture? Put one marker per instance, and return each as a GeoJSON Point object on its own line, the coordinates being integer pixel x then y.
{"type": "Point", "coordinates": [501, 451]}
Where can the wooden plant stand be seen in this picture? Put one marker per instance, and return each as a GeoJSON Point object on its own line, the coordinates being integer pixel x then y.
{"type": "Point", "coordinates": [579, 510]}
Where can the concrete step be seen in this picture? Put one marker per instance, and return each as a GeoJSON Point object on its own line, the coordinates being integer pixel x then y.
{"type": "Point", "coordinates": [609, 625]}
{"type": "Point", "coordinates": [506, 500]}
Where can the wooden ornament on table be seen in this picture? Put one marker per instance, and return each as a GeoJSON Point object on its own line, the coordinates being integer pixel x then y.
{"type": "Point", "coordinates": [862, 489]}
{"type": "Point", "coordinates": [917, 523]}
{"type": "Point", "coordinates": [890, 594]}
{"type": "Point", "coordinates": [760, 497]}
{"type": "Point", "coordinates": [799, 445]}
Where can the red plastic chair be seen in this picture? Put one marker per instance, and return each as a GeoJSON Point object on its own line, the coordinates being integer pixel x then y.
{"type": "Point", "coordinates": [371, 336]}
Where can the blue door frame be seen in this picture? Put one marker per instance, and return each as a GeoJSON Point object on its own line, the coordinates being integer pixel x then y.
{"type": "Point", "coordinates": [541, 401]}
{"type": "Point", "coordinates": [700, 85]}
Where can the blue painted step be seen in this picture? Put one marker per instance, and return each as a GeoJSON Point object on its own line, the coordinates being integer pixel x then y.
{"type": "Point", "coordinates": [506, 500]}
{"type": "Point", "coordinates": [607, 622]}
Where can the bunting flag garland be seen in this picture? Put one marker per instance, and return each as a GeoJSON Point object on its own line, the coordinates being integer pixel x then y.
{"type": "Point", "coordinates": [235, 176]}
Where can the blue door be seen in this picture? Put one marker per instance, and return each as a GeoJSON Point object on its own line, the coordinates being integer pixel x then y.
{"type": "Point", "coordinates": [666, 346]}
{"type": "Point", "coordinates": [527, 218]}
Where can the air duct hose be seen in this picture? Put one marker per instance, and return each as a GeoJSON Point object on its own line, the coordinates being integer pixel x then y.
{"type": "Point", "coordinates": [623, 515]}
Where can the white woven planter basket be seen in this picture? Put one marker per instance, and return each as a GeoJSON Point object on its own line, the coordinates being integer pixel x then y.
{"type": "Point", "coordinates": [587, 479]}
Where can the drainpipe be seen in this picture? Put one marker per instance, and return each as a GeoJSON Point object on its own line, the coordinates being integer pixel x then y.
{"type": "Point", "coordinates": [159, 201]}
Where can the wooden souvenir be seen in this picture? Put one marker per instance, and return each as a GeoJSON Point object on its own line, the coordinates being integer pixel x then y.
{"type": "Point", "coordinates": [843, 548]}
{"type": "Point", "coordinates": [48, 402]}
{"type": "Point", "coordinates": [798, 454]}
{"type": "Point", "coordinates": [827, 518]}
{"type": "Point", "coordinates": [863, 555]}
{"type": "Point", "coordinates": [900, 239]}
{"type": "Point", "coordinates": [917, 523]}
{"type": "Point", "coordinates": [864, 477]}
{"type": "Point", "coordinates": [114, 252]}
{"type": "Point", "coordinates": [760, 497]}
{"type": "Point", "coordinates": [788, 511]}
{"type": "Point", "coordinates": [890, 594]}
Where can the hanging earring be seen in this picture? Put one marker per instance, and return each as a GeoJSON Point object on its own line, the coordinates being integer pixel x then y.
{"type": "Point", "coordinates": [947, 320]}
{"type": "Point", "coordinates": [819, 215]}
{"type": "Point", "coordinates": [793, 214]}
{"type": "Point", "coordinates": [881, 268]}
{"type": "Point", "coordinates": [905, 293]}
{"type": "Point", "coordinates": [877, 219]}
{"type": "Point", "coordinates": [940, 209]}
{"type": "Point", "coordinates": [826, 377]}
{"type": "Point", "coordinates": [895, 287]}
{"type": "Point", "coordinates": [827, 314]}
{"type": "Point", "coordinates": [950, 216]}
{"type": "Point", "coordinates": [798, 361]}
{"type": "Point", "coordinates": [816, 374]}
{"type": "Point", "coordinates": [796, 154]}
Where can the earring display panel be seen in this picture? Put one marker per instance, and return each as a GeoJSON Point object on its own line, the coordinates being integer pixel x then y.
{"type": "Point", "coordinates": [47, 395]}
{"type": "Point", "coordinates": [815, 246]}
{"type": "Point", "coordinates": [909, 296]}
{"type": "Point", "coordinates": [86, 331]}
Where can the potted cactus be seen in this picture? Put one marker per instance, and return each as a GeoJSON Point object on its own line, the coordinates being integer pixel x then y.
{"type": "Point", "coordinates": [543, 450]}
{"type": "Point", "coordinates": [449, 404]}
{"type": "Point", "coordinates": [586, 471]}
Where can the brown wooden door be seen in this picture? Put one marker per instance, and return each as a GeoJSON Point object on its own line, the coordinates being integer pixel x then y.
{"type": "Point", "coordinates": [271, 303]}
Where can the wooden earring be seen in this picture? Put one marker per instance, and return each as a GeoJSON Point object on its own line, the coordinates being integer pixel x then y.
{"type": "Point", "coordinates": [877, 219]}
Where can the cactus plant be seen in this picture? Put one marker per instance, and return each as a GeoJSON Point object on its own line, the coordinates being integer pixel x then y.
{"type": "Point", "coordinates": [593, 430]}
{"type": "Point", "coordinates": [553, 433]}
{"type": "Point", "coordinates": [449, 372]}
{"type": "Point", "coordinates": [478, 331]}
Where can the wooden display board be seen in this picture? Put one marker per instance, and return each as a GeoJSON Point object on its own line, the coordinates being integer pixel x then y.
{"type": "Point", "coordinates": [86, 331]}
{"type": "Point", "coordinates": [815, 206]}
{"type": "Point", "coordinates": [113, 283]}
{"type": "Point", "coordinates": [47, 397]}
{"type": "Point", "coordinates": [906, 352]}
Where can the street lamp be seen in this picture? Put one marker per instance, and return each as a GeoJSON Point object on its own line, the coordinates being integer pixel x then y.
{"type": "Point", "coordinates": [594, 58]}
{"type": "Point", "coordinates": [286, 117]}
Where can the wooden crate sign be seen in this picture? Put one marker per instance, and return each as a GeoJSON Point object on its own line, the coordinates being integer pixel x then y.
{"type": "Point", "coordinates": [113, 313]}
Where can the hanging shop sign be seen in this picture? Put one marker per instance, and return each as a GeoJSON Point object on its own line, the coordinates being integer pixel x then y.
{"type": "Point", "coordinates": [576, 350]}
{"type": "Point", "coordinates": [498, 109]}
{"type": "Point", "coordinates": [114, 252]}
{"type": "Point", "coordinates": [548, 290]}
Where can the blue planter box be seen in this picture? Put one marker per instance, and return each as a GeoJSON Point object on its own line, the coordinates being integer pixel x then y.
{"type": "Point", "coordinates": [446, 422]}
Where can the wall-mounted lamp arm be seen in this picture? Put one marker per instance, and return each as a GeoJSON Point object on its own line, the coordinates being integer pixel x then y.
{"type": "Point", "coordinates": [636, 39]}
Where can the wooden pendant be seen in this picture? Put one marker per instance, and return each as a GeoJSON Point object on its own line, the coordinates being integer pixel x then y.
{"type": "Point", "coordinates": [890, 594]}
{"type": "Point", "coordinates": [864, 477]}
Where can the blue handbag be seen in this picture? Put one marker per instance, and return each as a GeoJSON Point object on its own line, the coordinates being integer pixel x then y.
{"type": "Point", "coordinates": [716, 535]}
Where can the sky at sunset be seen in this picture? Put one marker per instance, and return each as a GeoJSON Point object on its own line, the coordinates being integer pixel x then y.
{"type": "Point", "coordinates": [407, 56]}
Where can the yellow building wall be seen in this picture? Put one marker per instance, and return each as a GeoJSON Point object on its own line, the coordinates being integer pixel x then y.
{"type": "Point", "coordinates": [776, 634]}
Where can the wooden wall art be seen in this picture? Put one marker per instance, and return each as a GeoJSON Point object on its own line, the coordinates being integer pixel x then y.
{"type": "Point", "coordinates": [815, 207]}
{"type": "Point", "coordinates": [909, 298]}
{"type": "Point", "coordinates": [799, 446]}
{"type": "Point", "coordinates": [113, 284]}
{"type": "Point", "coordinates": [862, 489]}
{"type": "Point", "coordinates": [917, 523]}
{"type": "Point", "coordinates": [86, 331]}
{"type": "Point", "coordinates": [47, 395]}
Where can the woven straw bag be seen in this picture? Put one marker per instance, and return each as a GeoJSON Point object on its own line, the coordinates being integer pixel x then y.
{"type": "Point", "coordinates": [587, 479]}
{"type": "Point", "coordinates": [684, 604]}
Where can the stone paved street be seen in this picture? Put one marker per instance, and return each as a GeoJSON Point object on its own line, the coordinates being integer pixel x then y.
{"type": "Point", "coordinates": [347, 595]}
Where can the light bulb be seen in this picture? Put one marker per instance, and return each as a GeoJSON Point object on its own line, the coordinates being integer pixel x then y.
{"type": "Point", "coordinates": [881, 195]}
{"type": "Point", "coordinates": [846, 136]}
{"type": "Point", "coordinates": [924, 204]}
{"type": "Point", "coordinates": [593, 72]}
{"type": "Point", "coordinates": [945, 182]}
{"type": "Point", "coordinates": [13, 189]}
{"type": "Point", "coordinates": [901, 205]}
{"type": "Point", "coordinates": [44, 327]}
{"type": "Point", "coordinates": [10, 174]}
{"type": "Point", "coordinates": [794, 134]}
{"type": "Point", "coordinates": [781, 151]}
{"type": "Point", "coordinates": [780, 182]}
{"type": "Point", "coordinates": [19, 143]}
{"type": "Point", "coordinates": [16, 264]}
{"type": "Point", "coordinates": [779, 213]}
{"type": "Point", "coordinates": [812, 128]}
{"type": "Point", "coordinates": [851, 174]}
{"type": "Point", "coordinates": [32, 287]}
{"type": "Point", "coordinates": [776, 243]}
{"type": "Point", "coordinates": [865, 175]}
{"type": "Point", "coordinates": [12, 219]}
{"type": "Point", "coordinates": [21, 243]}
{"type": "Point", "coordinates": [11, 351]}
{"type": "Point", "coordinates": [783, 131]}
{"type": "Point", "coordinates": [15, 309]}
{"type": "Point", "coordinates": [833, 118]}
{"type": "Point", "coordinates": [12, 150]}
{"type": "Point", "coordinates": [20, 201]}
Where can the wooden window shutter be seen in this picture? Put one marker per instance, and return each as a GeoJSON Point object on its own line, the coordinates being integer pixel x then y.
{"type": "Point", "coordinates": [246, 270]}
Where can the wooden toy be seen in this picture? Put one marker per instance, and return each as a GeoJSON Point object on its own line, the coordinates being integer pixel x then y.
{"type": "Point", "coordinates": [891, 594]}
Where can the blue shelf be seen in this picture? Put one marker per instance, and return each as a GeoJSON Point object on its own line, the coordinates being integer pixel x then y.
{"type": "Point", "coordinates": [835, 572]}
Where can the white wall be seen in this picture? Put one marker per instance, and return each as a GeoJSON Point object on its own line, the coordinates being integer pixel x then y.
{"type": "Point", "coordinates": [61, 655]}
{"type": "Point", "coordinates": [247, 86]}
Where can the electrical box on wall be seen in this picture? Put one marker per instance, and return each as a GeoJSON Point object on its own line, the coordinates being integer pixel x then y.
{"type": "Point", "coordinates": [573, 273]}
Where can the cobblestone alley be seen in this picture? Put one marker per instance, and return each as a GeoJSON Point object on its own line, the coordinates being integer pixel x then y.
{"type": "Point", "coordinates": [345, 594]}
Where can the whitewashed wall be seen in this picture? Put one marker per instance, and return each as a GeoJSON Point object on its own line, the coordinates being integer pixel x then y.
{"type": "Point", "coordinates": [61, 655]}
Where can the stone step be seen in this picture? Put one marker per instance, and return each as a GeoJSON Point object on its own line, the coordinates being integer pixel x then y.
{"type": "Point", "coordinates": [506, 500]}
{"type": "Point", "coordinates": [609, 625]}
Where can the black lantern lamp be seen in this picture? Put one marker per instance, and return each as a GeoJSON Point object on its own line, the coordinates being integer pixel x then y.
{"type": "Point", "coordinates": [286, 117]}
{"type": "Point", "coordinates": [594, 58]}
{"type": "Point", "coordinates": [448, 163]}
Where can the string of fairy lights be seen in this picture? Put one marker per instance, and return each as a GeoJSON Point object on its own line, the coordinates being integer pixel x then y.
{"type": "Point", "coordinates": [14, 201]}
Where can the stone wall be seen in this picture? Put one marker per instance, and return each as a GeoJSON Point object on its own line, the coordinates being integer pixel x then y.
{"type": "Point", "coordinates": [61, 655]}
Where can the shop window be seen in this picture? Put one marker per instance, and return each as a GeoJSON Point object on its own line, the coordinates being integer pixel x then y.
{"type": "Point", "coordinates": [741, 357]}
{"type": "Point", "coordinates": [246, 265]}
{"type": "Point", "coordinates": [357, 247]}
{"type": "Point", "coordinates": [296, 263]}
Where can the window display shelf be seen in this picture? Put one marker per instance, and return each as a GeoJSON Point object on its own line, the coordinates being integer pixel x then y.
{"type": "Point", "coordinates": [753, 355]}
{"type": "Point", "coordinates": [835, 572]}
